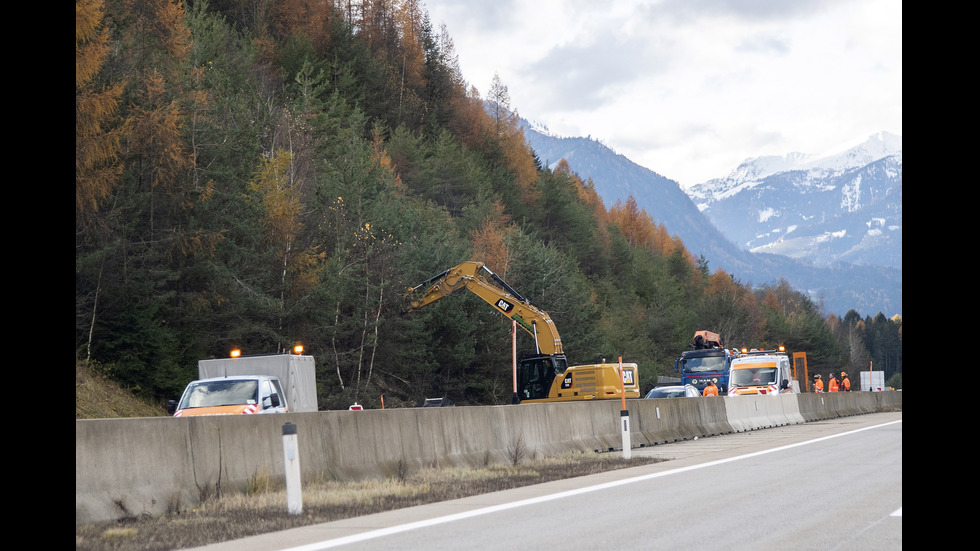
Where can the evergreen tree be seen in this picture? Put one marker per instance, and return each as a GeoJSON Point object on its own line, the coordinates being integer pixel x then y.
{"type": "Point", "coordinates": [253, 174]}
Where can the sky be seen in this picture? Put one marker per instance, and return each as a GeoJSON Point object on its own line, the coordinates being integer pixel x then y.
{"type": "Point", "coordinates": [688, 88]}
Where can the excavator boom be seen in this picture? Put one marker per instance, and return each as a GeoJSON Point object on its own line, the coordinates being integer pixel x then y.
{"type": "Point", "coordinates": [478, 279]}
{"type": "Point", "coordinates": [546, 375]}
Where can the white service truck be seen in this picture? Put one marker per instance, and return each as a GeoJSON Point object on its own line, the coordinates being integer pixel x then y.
{"type": "Point", "coordinates": [761, 372]}
{"type": "Point", "coordinates": [273, 383]}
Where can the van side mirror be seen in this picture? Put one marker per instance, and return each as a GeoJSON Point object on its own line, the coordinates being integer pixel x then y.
{"type": "Point", "coordinates": [270, 401]}
{"type": "Point", "coordinates": [784, 385]}
{"type": "Point", "coordinates": [171, 406]}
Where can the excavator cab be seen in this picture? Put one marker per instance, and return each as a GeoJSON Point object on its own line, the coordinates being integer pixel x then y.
{"type": "Point", "coordinates": [536, 374]}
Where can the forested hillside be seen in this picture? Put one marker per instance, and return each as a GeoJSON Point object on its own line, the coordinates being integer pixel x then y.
{"type": "Point", "coordinates": [257, 174]}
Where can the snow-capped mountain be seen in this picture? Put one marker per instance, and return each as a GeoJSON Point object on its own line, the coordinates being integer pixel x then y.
{"type": "Point", "coordinates": [841, 206]}
{"type": "Point", "coordinates": [867, 288]}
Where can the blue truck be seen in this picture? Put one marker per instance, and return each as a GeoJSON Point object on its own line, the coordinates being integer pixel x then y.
{"type": "Point", "coordinates": [707, 360]}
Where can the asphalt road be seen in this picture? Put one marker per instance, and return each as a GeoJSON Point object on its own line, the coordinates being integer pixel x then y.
{"type": "Point", "coordinates": [828, 485]}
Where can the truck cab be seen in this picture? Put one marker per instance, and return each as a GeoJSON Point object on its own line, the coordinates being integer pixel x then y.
{"type": "Point", "coordinates": [761, 372]}
{"type": "Point", "coordinates": [232, 395]}
{"type": "Point", "coordinates": [697, 367]}
{"type": "Point", "coordinates": [707, 361]}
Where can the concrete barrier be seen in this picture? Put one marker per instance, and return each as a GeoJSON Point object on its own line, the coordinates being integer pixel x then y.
{"type": "Point", "coordinates": [152, 466]}
{"type": "Point", "coordinates": [749, 412]}
{"type": "Point", "coordinates": [714, 417]}
{"type": "Point", "coordinates": [665, 420]}
{"type": "Point", "coordinates": [816, 407]}
{"type": "Point", "coordinates": [888, 401]}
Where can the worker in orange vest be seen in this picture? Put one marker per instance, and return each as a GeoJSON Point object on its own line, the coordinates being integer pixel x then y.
{"type": "Point", "coordinates": [832, 384]}
{"type": "Point", "coordinates": [845, 383]}
{"type": "Point", "coordinates": [711, 389]}
{"type": "Point", "coordinates": [817, 383]}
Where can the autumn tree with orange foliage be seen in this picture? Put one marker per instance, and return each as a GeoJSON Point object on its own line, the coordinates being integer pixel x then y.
{"type": "Point", "coordinates": [97, 132]}
{"type": "Point", "coordinates": [489, 240]}
{"type": "Point", "coordinates": [412, 30]}
{"type": "Point", "coordinates": [97, 166]}
{"type": "Point", "coordinates": [634, 223]}
{"type": "Point", "coordinates": [312, 18]}
{"type": "Point", "coordinates": [157, 49]}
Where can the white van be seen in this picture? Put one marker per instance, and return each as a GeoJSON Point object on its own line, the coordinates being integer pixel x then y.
{"type": "Point", "coordinates": [761, 372]}
{"type": "Point", "coordinates": [234, 395]}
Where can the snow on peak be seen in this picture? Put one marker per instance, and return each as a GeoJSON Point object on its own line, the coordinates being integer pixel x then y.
{"type": "Point", "coordinates": [757, 168]}
{"type": "Point", "coordinates": [754, 170]}
{"type": "Point", "coordinates": [848, 155]}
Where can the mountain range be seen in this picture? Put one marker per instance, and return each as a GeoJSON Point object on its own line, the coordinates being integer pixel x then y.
{"type": "Point", "coordinates": [829, 224]}
{"type": "Point", "coordinates": [840, 206]}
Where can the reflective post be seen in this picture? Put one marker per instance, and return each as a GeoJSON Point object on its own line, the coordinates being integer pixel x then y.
{"type": "Point", "coordinates": [294, 491]}
{"type": "Point", "coordinates": [625, 415]}
{"type": "Point", "coordinates": [627, 444]}
{"type": "Point", "coordinates": [513, 340]}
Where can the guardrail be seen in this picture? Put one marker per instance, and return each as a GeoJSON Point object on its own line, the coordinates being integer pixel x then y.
{"type": "Point", "coordinates": [149, 466]}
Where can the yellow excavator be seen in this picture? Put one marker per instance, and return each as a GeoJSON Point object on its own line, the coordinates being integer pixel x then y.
{"type": "Point", "coordinates": [543, 376]}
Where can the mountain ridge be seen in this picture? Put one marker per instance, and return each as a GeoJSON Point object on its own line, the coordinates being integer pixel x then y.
{"type": "Point", "coordinates": [842, 206]}
{"type": "Point", "coordinates": [836, 286]}
{"type": "Point", "coordinates": [844, 156]}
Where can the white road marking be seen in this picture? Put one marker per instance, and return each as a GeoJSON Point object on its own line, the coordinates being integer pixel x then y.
{"type": "Point", "coordinates": [364, 536]}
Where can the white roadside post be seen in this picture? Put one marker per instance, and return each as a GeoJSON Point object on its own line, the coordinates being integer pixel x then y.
{"type": "Point", "coordinates": [625, 415]}
{"type": "Point", "coordinates": [294, 491]}
{"type": "Point", "coordinates": [627, 444]}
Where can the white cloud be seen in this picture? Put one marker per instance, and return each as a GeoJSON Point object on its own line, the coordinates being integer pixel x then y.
{"type": "Point", "coordinates": [689, 88]}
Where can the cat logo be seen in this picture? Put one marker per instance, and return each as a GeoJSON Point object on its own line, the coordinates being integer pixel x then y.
{"type": "Point", "coordinates": [504, 305]}
{"type": "Point", "coordinates": [627, 376]}
{"type": "Point", "coordinates": [567, 381]}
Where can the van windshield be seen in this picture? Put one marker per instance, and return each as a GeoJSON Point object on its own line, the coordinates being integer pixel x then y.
{"type": "Point", "coordinates": [758, 376]}
{"type": "Point", "coordinates": [220, 393]}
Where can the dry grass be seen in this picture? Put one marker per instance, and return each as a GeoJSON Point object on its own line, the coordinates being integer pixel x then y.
{"type": "Point", "coordinates": [262, 508]}
{"type": "Point", "coordinates": [96, 397]}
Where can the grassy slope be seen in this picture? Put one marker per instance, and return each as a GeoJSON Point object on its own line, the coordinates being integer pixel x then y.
{"type": "Point", "coordinates": [96, 397]}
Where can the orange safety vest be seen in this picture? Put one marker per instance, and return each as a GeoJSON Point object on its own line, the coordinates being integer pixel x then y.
{"type": "Point", "coordinates": [845, 385]}
{"type": "Point", "coordinates": [833, 385]}
{"type": "Point", "coordinates": [818, 385]}
{"type": "Point", "coordinates": [710, 390]}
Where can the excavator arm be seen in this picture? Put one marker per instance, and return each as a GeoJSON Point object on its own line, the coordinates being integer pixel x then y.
{"type": "Point", "coordinates": [478, 279]}
{"type": "Point", "coordinates": [545, 376]}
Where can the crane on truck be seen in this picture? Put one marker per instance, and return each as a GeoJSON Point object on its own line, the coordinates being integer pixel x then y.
{"type": "Point", "coordinates": [545, 375]}
{"type": "Point", "coordinates": [707, 360]}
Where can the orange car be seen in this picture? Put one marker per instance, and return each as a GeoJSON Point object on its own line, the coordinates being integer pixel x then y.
{"type": "Point", "coordinates": [234, 395]}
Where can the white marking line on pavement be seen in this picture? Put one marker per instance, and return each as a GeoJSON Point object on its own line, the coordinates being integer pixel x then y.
{"type": "Point", "coordinates": [364, 536]}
